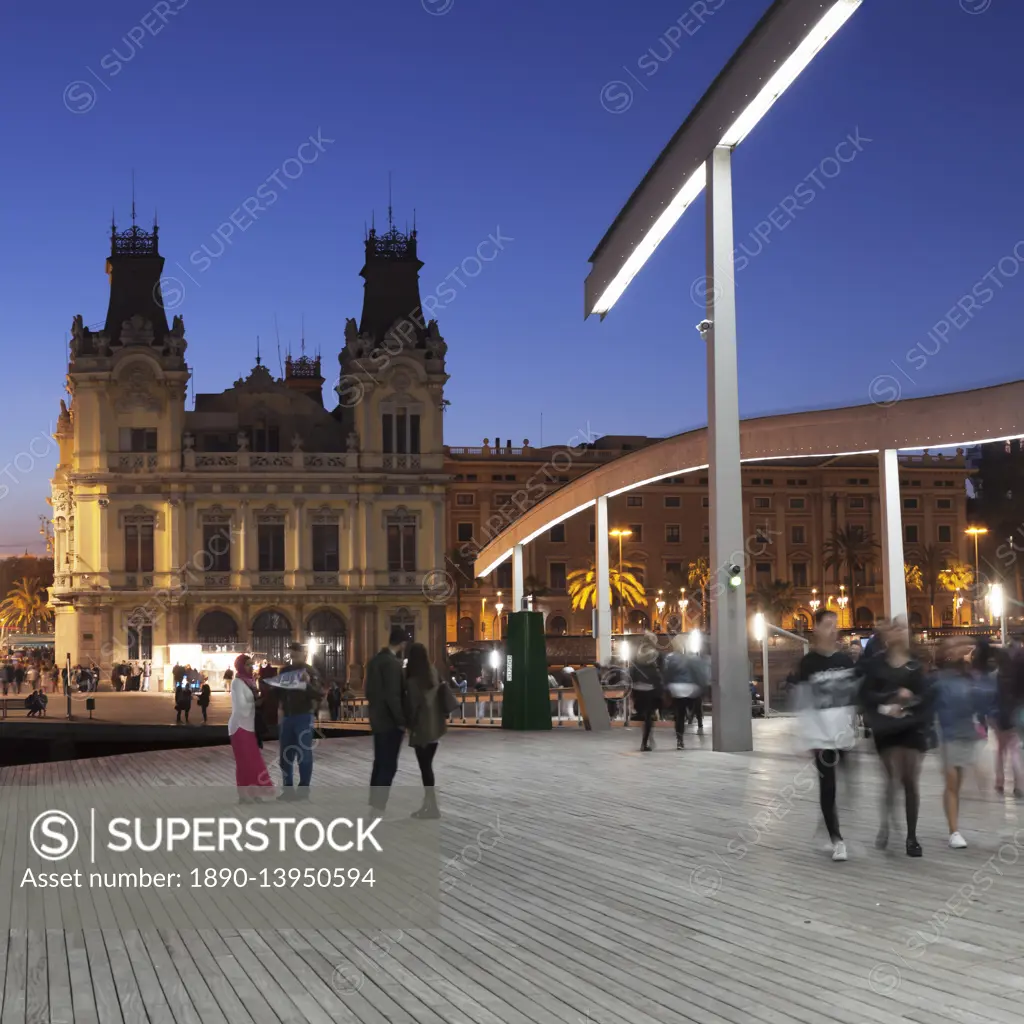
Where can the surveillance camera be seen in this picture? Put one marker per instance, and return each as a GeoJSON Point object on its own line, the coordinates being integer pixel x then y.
{"type": "Point", "coordinates": [704, 326]}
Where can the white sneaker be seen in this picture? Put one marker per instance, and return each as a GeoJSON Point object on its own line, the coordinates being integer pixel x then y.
{"type": "Point", "coordinates": [957, 841]}
{"type": "Point", "coordinates": [839, 851]}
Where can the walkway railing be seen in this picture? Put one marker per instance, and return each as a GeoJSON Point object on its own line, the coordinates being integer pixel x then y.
{"type": "Point", "coordinates": [485, 706]}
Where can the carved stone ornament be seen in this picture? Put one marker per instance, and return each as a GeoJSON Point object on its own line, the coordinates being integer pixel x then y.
{"type": "Point", "coordinates": [137, 331]}
{"type": "Point", "coordinates": [296, 442]}
{"type": "Point", "coordinates": [401, 381]}
{"type": "Point", "coordinates": [136, 394]}
{"type": "Point", "coordinates": [352, 443]}
{"type": "Point", "coordinates": [175, 340]}
{"type": "Point", "coordinates": [243, 441]}
{"type": "Point", "coordinates": [188, 441]}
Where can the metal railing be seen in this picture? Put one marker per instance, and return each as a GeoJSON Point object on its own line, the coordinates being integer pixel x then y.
{"type": "Point", "coordinates": [484, 706]}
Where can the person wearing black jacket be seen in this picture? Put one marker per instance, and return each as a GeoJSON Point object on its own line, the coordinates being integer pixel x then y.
{"type": "Point", "coordinates": [385, 698]}
{"type": "Point", "coordinates": [898, 702]}
{"type": "Point", "coordinates": [645, 675]}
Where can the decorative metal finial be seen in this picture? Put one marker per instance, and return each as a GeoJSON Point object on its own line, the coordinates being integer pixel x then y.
{"type": "Point", "coordinates": [257, 350]}
{"type": "Point", "coordinates": [391, 222]}
{"type": "Point", "coordinates": [133, 197]}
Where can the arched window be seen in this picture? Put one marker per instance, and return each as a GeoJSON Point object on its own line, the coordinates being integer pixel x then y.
{"type": "Point", "coordinates": [557, 626]}
{"type": "Point", "coordinates": [140, 635]}
{"type": "Point", "coordinates": [271, 635]}
{"type": "Point", "coordinates": [915, 620]}
{"type": "Point", "coordinates": [466, 630]}
{"type": "Point", "coordinates": [327, 630]}
{"type": "Point", "coordinates": [637, 620]}
{"type": "Point", "coordinates": [865, 616]}
{"type": "Point", "coordinates": [217, 627]}
{"type": "Point", "coordinates": [405, 620]}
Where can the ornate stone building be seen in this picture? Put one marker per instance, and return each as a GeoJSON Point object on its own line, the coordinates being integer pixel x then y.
{"type": "Point", "coordinates": [262, 516]}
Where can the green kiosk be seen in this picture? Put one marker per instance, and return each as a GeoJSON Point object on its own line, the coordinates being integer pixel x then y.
{"type": "Point", "coordinates": [526, 703]}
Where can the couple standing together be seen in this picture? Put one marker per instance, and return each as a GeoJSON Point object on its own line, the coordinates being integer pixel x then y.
{"type": "Point", "coordinates": [413, 699]}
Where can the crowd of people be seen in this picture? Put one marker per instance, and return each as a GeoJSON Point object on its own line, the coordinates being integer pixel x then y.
{"type": "Point", "coordinates": [405, 696]}
{"type": "Point", "coordinates": [909, 702]}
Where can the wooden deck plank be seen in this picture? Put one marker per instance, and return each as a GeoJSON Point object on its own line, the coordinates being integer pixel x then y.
{"type": "Point", "coordinates": [587, 909]}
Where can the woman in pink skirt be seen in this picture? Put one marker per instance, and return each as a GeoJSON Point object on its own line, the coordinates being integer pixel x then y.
{"type": "Point", "coordinates": [251, 773]}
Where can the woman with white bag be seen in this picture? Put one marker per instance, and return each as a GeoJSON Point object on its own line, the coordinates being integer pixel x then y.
{"type": "Point", "coordinates": [827, 698]}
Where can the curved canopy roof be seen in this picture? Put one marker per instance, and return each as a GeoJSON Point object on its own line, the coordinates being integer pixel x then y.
{"type": "Point", "coordinates": [961, 418]}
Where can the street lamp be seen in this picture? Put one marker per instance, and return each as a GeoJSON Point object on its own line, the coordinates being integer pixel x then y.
{"type": "Point", "coordinates": [621, 532]}
{"type": "Point", "coordinates": [815, 603]}
{"type": "Point", "coordinates": [997, 608]}
{"type": "Point", "coordinates": [761, 635]}
{"type": "Point", "coordinates": [660, 605]}
{"type": "Point", "coordinates": [976, 532]}
{"type": "Point", "coordinates": [483, 617]}
{"type": "Point", "coordinates": [842, 600]}
{"type": "Point", "coordinates": [497, 617]}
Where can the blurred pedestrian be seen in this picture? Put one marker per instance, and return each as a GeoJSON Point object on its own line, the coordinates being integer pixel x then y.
{"type": "Point", "coordinates": [385, 697]}
{"type": "Point", "coordinates": [648, 691]}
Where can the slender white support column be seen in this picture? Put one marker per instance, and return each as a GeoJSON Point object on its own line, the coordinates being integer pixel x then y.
{"type": "Point", "coordinates": [894, 581]}
{"type": "Point", "coordinates": [731, 724]}
{"type": "Point", "coordinates": [604, 586]}
{"type": "Point", "coordinates": [517, 578]}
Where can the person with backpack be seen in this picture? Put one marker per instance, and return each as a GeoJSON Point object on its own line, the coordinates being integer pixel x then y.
{"type": "Point", "coordinates": [646, 683]}
{"type": "Point", "coordinates": [429, 703]}
{"type": "Point", "coordinates": [683, 676]}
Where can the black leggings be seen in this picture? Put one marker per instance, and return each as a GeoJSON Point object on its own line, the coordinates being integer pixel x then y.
{"type": "Point", "coordinates": [902, 767]}
{"type": "Point", "coordinates": [826, 761]}
{"type": "Point", "coordinates": [425, 757]}
{"type": "Point", "coordinates": [680, 705]}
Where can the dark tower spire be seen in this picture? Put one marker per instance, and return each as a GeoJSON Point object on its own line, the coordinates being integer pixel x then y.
{"type": "Point", "coordinates": [134, 267]}
{"type": "Point", "coordinates": [391, 293]}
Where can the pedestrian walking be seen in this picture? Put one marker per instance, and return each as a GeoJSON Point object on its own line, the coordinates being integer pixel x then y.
{"type": "Point", "coordinates": [334, 701]}
{"type": "Point", "coordinates": [1006, 714]}
{"type": "Point", "coordinates": [826, 699]}
{"type": "Point", "coordinates": [182, 701]}
{"type": "Point", "coordinates": [898, 702]}
{"type": "Point", "coordinates": [429, 703]}
{"type": "Point", "coordinates": [645, 674]}
{"type": "Point", "coordinates": [251, 773]}
{"type": "Point", "coordinates": [386, 707]}
{"type": "Point", "coordinates": [683, 676]}
{"type": "Point", "coordinates": [298, 707]}
{"type": "Point", "coordinates": [961, 702]}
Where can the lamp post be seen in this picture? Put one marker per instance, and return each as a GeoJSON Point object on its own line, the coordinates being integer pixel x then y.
{"type": "Point", "coordinates": [975, 532]}
{"type": "Point", "coordinates": [815, 603]}
{"type": "Point", "coordinates": [621, 532]}
{"type": "Point", "coordinates": [997, 608]}
{"type": "Point", "coordinates": [761, 634]}
{"type": "Point", "coordinates": [660, 605]}
{"type": "Point", "coordinates": [842, 600]}
{"type": "Point", "coordinates": [497, 617]}
{"type": "Point", "coordinates": [483, 617]}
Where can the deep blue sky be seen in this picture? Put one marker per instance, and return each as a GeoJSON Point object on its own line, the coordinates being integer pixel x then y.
{"type": "Point", "coordinates": [490, 116]}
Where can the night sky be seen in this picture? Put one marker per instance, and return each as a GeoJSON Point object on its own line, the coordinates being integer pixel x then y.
{"type": "Point", "coordinates": [533, 121]}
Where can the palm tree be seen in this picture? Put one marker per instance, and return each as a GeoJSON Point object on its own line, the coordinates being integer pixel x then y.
{"type": "Point", "coordinates": [581, 585]}
{"type": "Point", "coordinates": [775, 600]}
{"type": "Point", "coordinates": [931, 563]}
{"type": "Point", "coordinates": [850, 550]}
{"type": "Point", "coordinates": [699, 576]}
{"type": "Point", "coordinates": [533, 586]}
{"type": "Point", "coordinates": [25, 607]}
{"type": "Point", "coordinates": [912, 576]}
{"type": "Point", "coordinates": [956, 576]}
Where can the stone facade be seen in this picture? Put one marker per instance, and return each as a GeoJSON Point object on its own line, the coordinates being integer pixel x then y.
{"type": "Point", "coordinates": [261, 516]}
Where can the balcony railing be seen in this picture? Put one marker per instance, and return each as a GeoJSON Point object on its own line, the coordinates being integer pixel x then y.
{"type": "Point", "coordinates": [263, 461]}
{"type": "Point", "coordinates": [134, 462]}
{"type": "Point", "coordinates": [270, 580]}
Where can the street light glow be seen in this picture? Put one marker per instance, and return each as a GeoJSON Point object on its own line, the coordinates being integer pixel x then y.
{"type": "Point", "coordinates": [995, 600]}
{"type": "Point", "coordinates": [759, 626]}
{"type": "Point", "coordinates": [790, 65]}
{"type": "Point", "coordinates": [695, 641]}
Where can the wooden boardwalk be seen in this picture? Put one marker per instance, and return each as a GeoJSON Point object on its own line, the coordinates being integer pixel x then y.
{"type": "Point", "coordinates": [664, 887]}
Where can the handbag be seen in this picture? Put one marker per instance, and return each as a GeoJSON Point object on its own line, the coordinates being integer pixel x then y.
{"type": "Point", "coordinates": [449, 703]}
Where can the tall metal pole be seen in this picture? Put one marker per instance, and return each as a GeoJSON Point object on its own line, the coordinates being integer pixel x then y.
{"type": "Point", "coordinates": [977, 581]}
{"type": "Point", "coordinates": [67, 684]}
{"type": "Point", "coordinates": [622, 607]}
{"type": "Point", "coordinates": [764, 668]}
{"type": "Point", "coordinates": [731, 725]}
